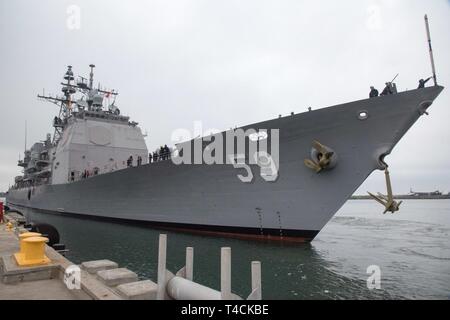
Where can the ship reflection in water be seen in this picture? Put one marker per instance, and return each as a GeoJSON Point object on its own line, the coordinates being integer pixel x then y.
{"type": "Point", "coordinates": [412, 248]}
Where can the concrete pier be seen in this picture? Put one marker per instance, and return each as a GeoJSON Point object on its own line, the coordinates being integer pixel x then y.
{"type": "Point", "coordinates": [98, 265]}
{"type": "Point", "coordinates": [26, 287]}
{"type": "Point", "coordinates": [139, 290]}
{"type": "Point", "coordinates": [58, 278]}
{"type": "Point", "coordinates": [115, 277]}
{"type": "Point", "coordinates": [45, 282]}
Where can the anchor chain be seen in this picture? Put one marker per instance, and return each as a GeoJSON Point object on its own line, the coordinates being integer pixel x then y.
{"type": "Point", "coordinates": [387, 200]}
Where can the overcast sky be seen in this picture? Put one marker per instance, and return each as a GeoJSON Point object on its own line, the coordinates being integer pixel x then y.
{"type": "Point", "coordinates": [227, 63]}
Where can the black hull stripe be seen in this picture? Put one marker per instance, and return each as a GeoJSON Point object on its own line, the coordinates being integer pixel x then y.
{"type": "Point", "coordinates": [240, 232]}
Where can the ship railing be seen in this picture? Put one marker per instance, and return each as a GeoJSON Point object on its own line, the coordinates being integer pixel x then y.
{"type": "Point", "coordinates": [92, 173]}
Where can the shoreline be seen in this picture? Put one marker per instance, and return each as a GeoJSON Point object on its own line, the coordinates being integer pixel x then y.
{"type": "Point", "coordinates": [405, 197]}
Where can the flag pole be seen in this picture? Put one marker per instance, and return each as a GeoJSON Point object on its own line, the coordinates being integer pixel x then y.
{"type": "Point", "coordinates": [427, 26]}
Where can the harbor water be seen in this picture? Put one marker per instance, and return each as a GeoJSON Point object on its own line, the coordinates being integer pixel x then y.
{"type": "Point", "coordinates": [411, 249]}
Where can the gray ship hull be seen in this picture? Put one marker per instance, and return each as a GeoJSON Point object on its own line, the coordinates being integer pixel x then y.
{"type": "Point", "coordinates": [211, 199]}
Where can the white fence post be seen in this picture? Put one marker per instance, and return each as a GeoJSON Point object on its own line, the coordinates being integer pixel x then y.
{"type": "Point", "coordinates": [189, 263]}
{"type": "Point", "coordinates": [256, 280]}
{"type": "Point", "coordinates": [225, 273]}
{"type": "Point", "coordinates": [162, 267]}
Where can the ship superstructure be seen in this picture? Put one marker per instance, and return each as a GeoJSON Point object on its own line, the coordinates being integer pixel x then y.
{"type": "Point", "coordinates": [90, 137]}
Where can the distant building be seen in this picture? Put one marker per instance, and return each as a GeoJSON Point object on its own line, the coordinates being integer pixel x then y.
{"type": "Point", "coordinates": [421, 194]}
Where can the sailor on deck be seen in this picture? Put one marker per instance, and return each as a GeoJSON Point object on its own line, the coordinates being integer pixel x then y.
{"type": "Point", "coordinates": [387, 90]}
{"type": "Point", "coordinates": [166, 152]}
{"type": "Point", "coordinates": [422, 83]}
{"type": "Point", "coordinates": [373, 92]}
{"type": "Point", "coordinates": [130, 161]}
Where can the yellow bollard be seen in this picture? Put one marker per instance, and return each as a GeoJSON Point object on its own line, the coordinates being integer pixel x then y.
{"type": "Point", "coordinates": [9, 226]}
{"type": "Point", "coordinates": [25, 235]}
{"type": "Point", "coordinates": [33, 252]}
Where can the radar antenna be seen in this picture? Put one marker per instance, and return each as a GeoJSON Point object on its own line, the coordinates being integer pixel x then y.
{"type": "Point", "coordinates": [93, 102]}
{"type": "Point", "coordinates": [64, 102]}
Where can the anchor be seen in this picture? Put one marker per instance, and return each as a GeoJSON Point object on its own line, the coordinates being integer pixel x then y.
{"type": "Point", "coordinates": [387, 201]}
{"type": "Point", "coordinates": [321, 157]}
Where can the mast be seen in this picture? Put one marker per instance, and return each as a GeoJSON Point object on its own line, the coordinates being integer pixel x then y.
{"type": "Point", "coordinates": [91, 76]}
{"type": "Point", "coordinates": [427, 26]}
{"type": "Point", "coordinates": [64, 102]}
{"type": "Point", "coordinates": [25, 135]}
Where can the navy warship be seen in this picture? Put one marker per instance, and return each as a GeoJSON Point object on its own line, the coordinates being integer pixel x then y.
{"type": "Point", "coordinates": [97, 165]}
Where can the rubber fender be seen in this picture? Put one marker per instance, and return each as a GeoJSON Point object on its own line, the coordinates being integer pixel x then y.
{"type": "Point", "coordinates": [48, 231]}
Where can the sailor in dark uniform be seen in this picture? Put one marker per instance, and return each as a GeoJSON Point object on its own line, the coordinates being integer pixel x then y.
{"type": "Point", "coordinates": [373, 92]}
{"type": "Point", "coordinates": [167, 151]}
{"type": "Point", "coordinates": [387, 90]}
{"type": "Point", "coordinates": [422, 83]}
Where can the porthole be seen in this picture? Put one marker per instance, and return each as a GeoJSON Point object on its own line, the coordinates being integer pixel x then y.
{"type": "Point", "coordinates": [363, 115]}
